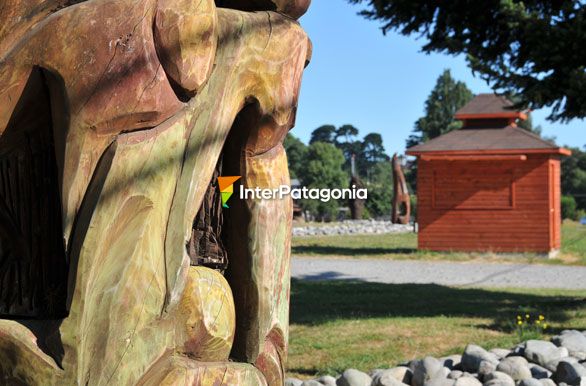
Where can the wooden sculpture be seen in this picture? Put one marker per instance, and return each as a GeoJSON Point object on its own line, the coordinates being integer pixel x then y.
{"type": "Point", "coordinates": [401, 200]}
{"type": "Point", "coordinates": [117, 266]}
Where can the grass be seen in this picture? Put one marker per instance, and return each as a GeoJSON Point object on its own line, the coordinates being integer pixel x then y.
{"type": "Point", "coordinates": [404, 246]}
{"type": "Point", "coordinates": [337, 325]}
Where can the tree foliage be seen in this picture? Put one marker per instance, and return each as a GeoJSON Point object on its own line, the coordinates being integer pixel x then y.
{"type": "Point", "coordinates": [380, 189]}
{"type": "Point", "coordinates": [574, 177]}
{"type": "Point", "coordinates": [447, 96]}
{"type": "Point", "coordinates": [325, 133]}
{"type": "Point", "coordinates": [317, 165]}
{"type": "Point", "coordinates": [533, 48]}
{"type": "Point", "coordinates": [296, 151]}
{"type": "Point", "coordinates": [323, 169]}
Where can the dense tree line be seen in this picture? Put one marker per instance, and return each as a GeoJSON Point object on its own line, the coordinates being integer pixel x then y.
{"type": "Point", "coordinates": [326, 163]}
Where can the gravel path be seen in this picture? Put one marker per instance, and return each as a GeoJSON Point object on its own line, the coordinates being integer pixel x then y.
{"type": "Point", "coordinates": [443, 273]}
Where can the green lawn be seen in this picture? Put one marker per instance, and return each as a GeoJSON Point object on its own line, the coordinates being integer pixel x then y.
{"type": "Point", "coordinates": [404, 246]}
{"type": "Point", "coordinates": [341, 324]}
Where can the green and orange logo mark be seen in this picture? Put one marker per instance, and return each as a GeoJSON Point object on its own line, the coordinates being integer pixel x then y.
{"type": "Point", "coordinates": [227, 188]}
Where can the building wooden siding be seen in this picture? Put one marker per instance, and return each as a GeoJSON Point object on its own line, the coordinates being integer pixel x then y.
{"type": "Point", "coordinates": [500, 206]}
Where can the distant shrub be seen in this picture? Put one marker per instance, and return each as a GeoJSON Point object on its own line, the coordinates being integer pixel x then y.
{"type": "Point", "coordinates": [581, 213]}
{"type": "Point", "coordinates": [569, 208]}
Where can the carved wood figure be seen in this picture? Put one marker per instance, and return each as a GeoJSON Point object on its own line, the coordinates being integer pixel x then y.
{"type": "Point", "coordinates": [401, 200]}
{"type": "Point", "coordinates": [118, 265]}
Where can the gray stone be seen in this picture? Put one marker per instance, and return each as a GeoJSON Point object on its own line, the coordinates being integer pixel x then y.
{"type": "Point", "coordinates": [539, 372]}
{"type": "Point", "coordinates": [312, 382]}
{"type": "Point", "coordinates": [542, 352]}
{"type": "Point", "coordinates": [516, 367]}
{"type": "Point", "coordinates": [440, 381]}
{"type": "Point", "coordinates": [485, 368]}
{"type": "Point", "coordinates": [519, 350]}
{"type": "Point", "coordinates": [498, 378]}
{"type": "Point", "coordinates": [402, 374]}
{"type": "Point", "coordinates": [574, 341]}
{"type": "Point", "coordinates": [530, 382]}
{"type": "Point", "coordinates": [474, 355]}
{"type": "Point", "coordinates": [425, 370]}
{"type": "Point", "coordinates": [500, 352]}
{"type": "Point", "coordinates": [547, 382]}
{"type": "Point", "coordinates": [467, 381]}
{"type": "Point", "coordinates": [293, 382]}
{"type": "Point", "coordinates": [353, 377]}
{"type": "Point", "coordinates": [553, 365]}
{"type": "Point", "coordinates": [327, 380]}
{"type": "Point", "coordinates": [455, 374]}
{"type": "Point", "coordinates": [386, 378]}
{"type": "Point", "coordinates": [452, 362]}
{"type": "Point", "coordinates": [570, 373]}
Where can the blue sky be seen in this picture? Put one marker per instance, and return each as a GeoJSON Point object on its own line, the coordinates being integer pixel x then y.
{"type": "Point", "coordinates": [379, 83]}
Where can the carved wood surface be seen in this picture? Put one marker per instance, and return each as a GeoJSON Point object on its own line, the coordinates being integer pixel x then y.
{"type": "Point", "coordinates": [143, 97]}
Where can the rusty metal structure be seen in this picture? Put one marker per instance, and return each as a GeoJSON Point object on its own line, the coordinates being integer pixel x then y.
{"type": "Point", "coordinates": [401, 200]}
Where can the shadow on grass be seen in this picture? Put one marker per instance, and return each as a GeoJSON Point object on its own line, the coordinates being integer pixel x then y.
{"type": "Point", "coordinates": [317, 302]}
{"type": "Point", "coordinates": [347, 251]}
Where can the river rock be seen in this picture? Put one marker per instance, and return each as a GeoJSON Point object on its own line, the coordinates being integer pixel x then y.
{"type": "Point", "coordinates": [293, 382]}
{"type": "Point", "coordinates": [455, 374]}
{"type": "Point", "coordinates": [327, 380]}
{"type": "Point", "coordinates": [312, 382]}
{"type": "Point", "coordinates": [353, 377]}
{"type": "Point", "coordinates": [474, 355]}
{"type": "Point", "coordinates": [498, 378]}
{"type": "Point", "coordinates": [553, 365]}
{"type": "Point", "coordinates": [485, 368]}
{"type": "Point", "coordinates": [391, 377]}
{"type": "Point", "coordinates": [452, 362]}
{"type": "Point", "coordinates": [500, 352]}
{"type": "Point", "coordinates": [401, 373]}
{"type": "Point", "coordinates": [547, 382]}
{"type": "Point", "coordinates": [467, 381]}
{"type": "Point", "coordinates": [574, 341]}
{"type": "Point", "coordinates": [426, 369]}
{"type": "Point", "coordinates": [516, 367]}
{"type": "Point", "coordinates": [570, 373]}
{"type": "Point", "coordinates": [530, 382]}
{"type": "Point", "coordinates": [542, 352]}
{"type": "Point", "coordinates": [539, 372]}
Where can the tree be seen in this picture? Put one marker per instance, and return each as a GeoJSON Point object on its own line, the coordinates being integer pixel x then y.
{"type": "Point", "coordinates": [323, 169]}
{"type": "Point", "coordinates": [346, 140]}
{"type": "Point", "coordinates": [380, 189]}
{"type": "Point", "coordinates": [373, 149]}
{"type": "Point", "coordinates": [325, 133]}
{"type": "Point", "coordinates": [532, 47]}
{"type": "Point", "coordinates": [296, 151]}
{"type": "Point", "coordinates": [574, 177]}
{"type": "Point", "coordinates": [447, 96]}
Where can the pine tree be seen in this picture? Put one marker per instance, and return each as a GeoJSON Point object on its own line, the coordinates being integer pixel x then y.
{"type": "Point", "coordinates": [445, 99]}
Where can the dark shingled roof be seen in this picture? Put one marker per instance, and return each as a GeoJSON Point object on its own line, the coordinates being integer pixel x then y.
{"type": "Point", "coordinates": [488, 119]}
{"type": "Point", "coordinates": [508, 138]}
{"type": "Point", "coordinates": [487, 104]}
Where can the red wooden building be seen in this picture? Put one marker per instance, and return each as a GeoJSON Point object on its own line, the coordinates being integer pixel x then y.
{"type": "Point", "coordinates": [489, 186]}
